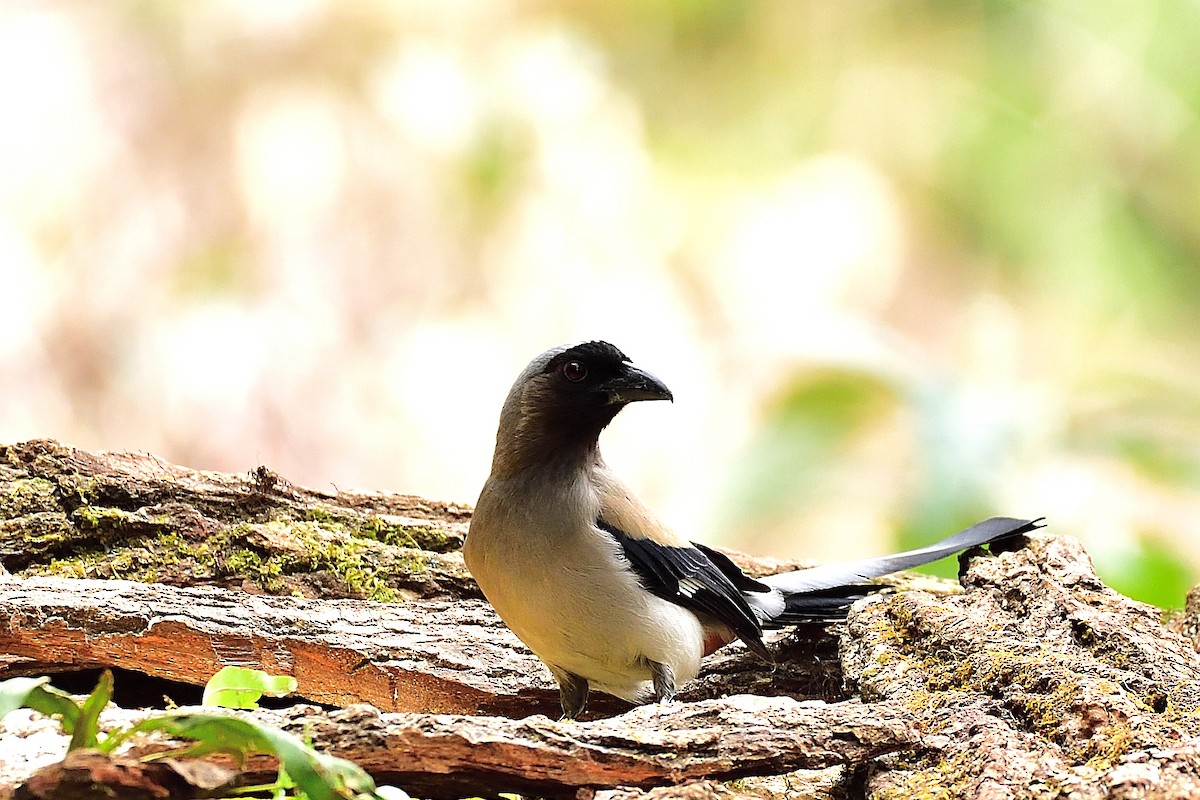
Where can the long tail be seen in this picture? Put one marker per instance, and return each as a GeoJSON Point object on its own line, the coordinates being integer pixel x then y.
{"type": "Point", "coordinates": [824, 593]}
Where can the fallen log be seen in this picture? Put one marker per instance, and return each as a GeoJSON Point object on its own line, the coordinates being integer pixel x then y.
{"type": "Point", "coordinates": [443, 656]}
{"type": "Point", "coordinates": [1037, 676]}
{"type": "Point", "coordinates": [66, 512]}
{"type": "Point", "coordinates": [450, 756]}
{"type": "Point", "coordinates": [438, 656]}
{"type": "Point", "coordinates": [1033, 680]}
{"type": "Point", "coordinates": [722, 739]}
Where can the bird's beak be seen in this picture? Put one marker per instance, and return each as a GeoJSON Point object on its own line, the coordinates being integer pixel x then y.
{"type": "Point", "coordinates": [632, 384]}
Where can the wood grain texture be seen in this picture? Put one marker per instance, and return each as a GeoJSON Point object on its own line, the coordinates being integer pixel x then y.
{"type": "Point", "coordinates": [1031, 680]}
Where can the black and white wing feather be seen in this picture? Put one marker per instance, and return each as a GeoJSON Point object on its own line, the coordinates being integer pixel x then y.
{"type": "Point", "coordinates": [691, 577]}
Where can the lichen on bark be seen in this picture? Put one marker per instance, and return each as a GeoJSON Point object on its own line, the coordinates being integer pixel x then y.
{"type": "Point", "coordinates": [1031, 679]}
{"type": "Point", "coordinates": [69, 513]}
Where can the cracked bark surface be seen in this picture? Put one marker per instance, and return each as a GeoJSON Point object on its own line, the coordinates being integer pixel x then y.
{"type": "Point", "coordinates": [1036, 681]}
{"type": "Point", "coordinates": [445, 755]}
{"type": "Point", "coordinates": [72, 513]}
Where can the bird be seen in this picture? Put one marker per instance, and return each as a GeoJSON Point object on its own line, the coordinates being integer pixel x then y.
{"type": "Point", "coordinates": [596, 586]}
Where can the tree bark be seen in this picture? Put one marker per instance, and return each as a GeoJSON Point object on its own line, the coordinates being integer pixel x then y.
{"type": "Point", "coordinates": [71, 513]}
{"type": "Point", "coordinates": [1037, 680]}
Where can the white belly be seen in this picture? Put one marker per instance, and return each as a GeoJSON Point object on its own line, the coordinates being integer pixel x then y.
{"type": "Point", "coordinates": [578, 607]}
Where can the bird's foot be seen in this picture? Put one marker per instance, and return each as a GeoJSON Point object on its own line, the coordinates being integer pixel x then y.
{"type": "Point", "coordinates": [664, 682]}
{"type": "Point", "coordinates": [572, 693]}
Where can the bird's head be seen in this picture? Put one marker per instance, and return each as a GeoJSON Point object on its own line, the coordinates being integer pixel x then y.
{"type": "Point", "coordinates": [565, 397]}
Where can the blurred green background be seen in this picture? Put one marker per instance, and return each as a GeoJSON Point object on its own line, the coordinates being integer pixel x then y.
{"type": "Point", "coordinates": [905, 264]}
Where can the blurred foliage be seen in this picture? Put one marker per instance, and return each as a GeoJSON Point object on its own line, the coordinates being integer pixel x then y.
{"type": "Point", "coordinates": [1050, 152]}
{"type": "Point", "coordinates": [1151, 571]}
{"type": "Point", "coordinates": [924, 261]}
{"type": "Point", "coordinates": [791, 459]}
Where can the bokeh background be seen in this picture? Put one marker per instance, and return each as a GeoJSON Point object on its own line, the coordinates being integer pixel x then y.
{"type": "Point", "coordinates": [904, 264]}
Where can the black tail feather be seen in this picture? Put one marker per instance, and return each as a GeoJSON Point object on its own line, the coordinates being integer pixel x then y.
{"type": "Point", "coordinates": [823, 606]}
{"type": "Point", "coordinates": [829, 576]}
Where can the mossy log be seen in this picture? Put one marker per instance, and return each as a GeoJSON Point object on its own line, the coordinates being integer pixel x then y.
{"type": "Point", "coordinates": [1039, 679]}
{"type": "Point", "coordinates": [1034, 680]}
{"type": "Point", "coordinates": [71, 513]}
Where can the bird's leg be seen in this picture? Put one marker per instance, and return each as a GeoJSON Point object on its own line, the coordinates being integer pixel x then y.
{"type": "Point", "coordinates": [664, 682]}
{"type": "Point", "coordinates": [572, 693]}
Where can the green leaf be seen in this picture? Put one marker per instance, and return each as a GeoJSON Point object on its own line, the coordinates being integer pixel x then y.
{"type": "Point", "coordinates": [239, 687]}
{"type": "Point", "coordinates": [305, 766]}
{"type": "Point", "coordinates": [87, 728]}
{"type": "Point", "coordinates": [211, 733]}
{"type": "Point", "coordinates": [39, 695]}
{"type": "Point", "coordinates": [319, 776]}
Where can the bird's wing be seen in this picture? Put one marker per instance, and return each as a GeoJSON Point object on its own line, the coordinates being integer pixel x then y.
{"type": "Point", "coordinates": [830, 575]}
{"type": "Point", "coordinates": [688, 577]}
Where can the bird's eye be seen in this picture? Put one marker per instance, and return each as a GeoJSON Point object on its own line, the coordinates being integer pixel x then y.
{"type": "Point", "coordinates": [574, 371]}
